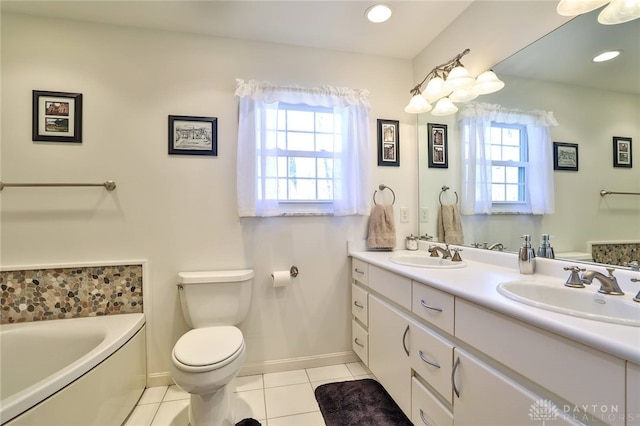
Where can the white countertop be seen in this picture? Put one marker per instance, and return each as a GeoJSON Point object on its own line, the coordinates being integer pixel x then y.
{"type": "Point", "coordinates": [486, 269]}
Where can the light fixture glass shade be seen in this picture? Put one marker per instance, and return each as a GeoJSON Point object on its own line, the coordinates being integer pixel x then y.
{"type": "Point", "coordinates": [417, 105]}
{"type": "Point", "coordinates": [577, 7]}
{"type": "Point", "coordinates": [459, 78]}
{"type": "Point", "coordinates": [487, 82]}
{"type": "Point", "coordinates": [607, 56]}
{"type": "Point", "coordinates": [619, 11]}
{"type": "Point", "coordinates": [378, 13]}
{"type": "Point", "coordinates": [435, 89]}
{"type": "Point", "coordinates": [444, 107]}
{"type": "Point", "coordinates": [463, 95]}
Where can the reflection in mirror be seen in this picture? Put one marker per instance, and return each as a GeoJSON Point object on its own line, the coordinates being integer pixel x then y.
{"type": "Point", "coordinates": [593, 103]}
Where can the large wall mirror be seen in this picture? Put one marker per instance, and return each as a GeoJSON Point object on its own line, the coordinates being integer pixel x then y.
{"type": "Point", "coordinates": [593, 103]}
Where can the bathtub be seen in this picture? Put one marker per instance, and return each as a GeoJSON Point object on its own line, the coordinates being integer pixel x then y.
{"type": "Point", "coordinates": [81, 371]}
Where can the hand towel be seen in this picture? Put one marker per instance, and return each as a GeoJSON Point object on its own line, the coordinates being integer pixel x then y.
{"type": "Point", "coordinates": [382, 228]}
{"type": "Point", "coordinates": [450, 225]}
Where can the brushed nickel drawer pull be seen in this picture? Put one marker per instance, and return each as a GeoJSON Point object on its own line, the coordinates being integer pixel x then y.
{"type": "Point", "coordinates": [423, 419]}
{"type": "Point", "coordinates": [435, 364]}
{"type": "Point", "coordinates": [433, 308]}
{"type": "Point", "coordinates": [358, 305]}
{"type": "Point", "coordinates": [358, 343]}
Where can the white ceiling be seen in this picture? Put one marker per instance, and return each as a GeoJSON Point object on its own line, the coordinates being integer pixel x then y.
{"type": "Point", "coordinates": [337, 25]}
{"type": "Point", "coordinates": [562, 56]}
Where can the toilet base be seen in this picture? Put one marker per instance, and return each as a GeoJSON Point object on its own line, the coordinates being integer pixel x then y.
{"type": "Point", "coordinates": [215, 409]}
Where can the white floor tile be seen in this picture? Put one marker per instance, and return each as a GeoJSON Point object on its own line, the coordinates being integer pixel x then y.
{"type": "Point", "coordinates": [285, 378]}
{"type": "Point", "coordinates": [246, 383]}
{"type": "Point", "coordinates": [358, 369]}
{"type": "Point", "coordinates": [142, 415]}
{"type": "Point", "coordinates": [249, 404]}
{"type": "Point", "coordinates": [306, 419]}
{"type": "Point", "coordinates": [153, 395]}
{"type": "Point", "coordinates": [328, 373]}
{"type": "Point", "coordinates": [174, 393]}
{"type": "Point", "coordinates": [366, 376]}
{"type": "Point", "coordinates": [288, 400]}
{"type": "Point", "coordinates": [314, 385]}
{"type": "Point", "coordinates": [172, 413]}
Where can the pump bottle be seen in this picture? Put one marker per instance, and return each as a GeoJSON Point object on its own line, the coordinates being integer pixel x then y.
{"type": "Point", "coordinates": [527, 257]}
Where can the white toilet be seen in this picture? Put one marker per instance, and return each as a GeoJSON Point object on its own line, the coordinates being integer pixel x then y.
{"type": "Point", "coordinates": [208, 357]}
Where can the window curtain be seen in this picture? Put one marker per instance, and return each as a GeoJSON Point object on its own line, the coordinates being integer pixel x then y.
{"type": "Point", "coordinates": [475, 123]}
{"type": "Point", "coordinates": [351, 168]}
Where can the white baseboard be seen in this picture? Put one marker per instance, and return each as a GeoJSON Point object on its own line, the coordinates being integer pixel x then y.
{"type": "Point", "coordinates": [288, 364]}
{"type": "Point", "coordinates": [275, 366]}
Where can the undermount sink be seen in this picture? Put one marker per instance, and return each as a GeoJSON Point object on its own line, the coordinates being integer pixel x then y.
{"type": "Point", "coordinates": [578, 302]}
{"type": "Point", "coordinates": [425, 261]}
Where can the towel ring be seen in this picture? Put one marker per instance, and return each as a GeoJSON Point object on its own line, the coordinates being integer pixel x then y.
{"type": "Point", "coordinates": [382, 187]}
{"type": "Point", "coordinates": [445, 188]}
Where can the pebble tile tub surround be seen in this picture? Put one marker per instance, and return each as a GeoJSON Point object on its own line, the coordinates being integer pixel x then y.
{"type": "Point", "coordinates": [43, 294]}
{"type": "Point", "coordinates": [616, 254]}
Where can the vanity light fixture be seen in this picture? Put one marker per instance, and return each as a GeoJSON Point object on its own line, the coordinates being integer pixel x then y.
{"type": "Point", "coordinates": [448, 83]}
{"type": "Point", "coordinates": [378, 13]}
{"type": "Point", "coordinates": [607, 56]}
{"type": "Point", "coordinates": [616, 12]}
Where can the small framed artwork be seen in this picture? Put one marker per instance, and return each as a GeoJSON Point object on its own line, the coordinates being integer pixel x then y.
{"type": "Point", "coordinates": [438, 146]}
{"type": "Point", "coordinates": [388, 143]}
{"type": "Point", "coordinates": [565, 156]}
{"type": "Point", "coordinates": [57, 117]}
{"type": "Point", "coordinates": [193, 135]}
{"type": "Point", "coordinates": [622, 156]}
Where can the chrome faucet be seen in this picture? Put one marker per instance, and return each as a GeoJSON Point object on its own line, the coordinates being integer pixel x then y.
{"type": "Point", "coordinates": [496, 246]}
{"type": "Point", "coordinates": [637, 297]}
{"type": "Point", "coordinates": [446, 253]}
{"type": "Point", "coordinates": [608, 284]}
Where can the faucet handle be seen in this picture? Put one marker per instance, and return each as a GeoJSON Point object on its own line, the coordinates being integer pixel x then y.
{"type": "Point", "coordinates": [637, 296]}
{"type": "Point", "coordinates": [456, 255]}
{"type": "Point", "coordinates": [574, 279]}
{"type": "Point", "coordinates": [433, 251]}
{"type": "Point", "coordinates": [610, 271]}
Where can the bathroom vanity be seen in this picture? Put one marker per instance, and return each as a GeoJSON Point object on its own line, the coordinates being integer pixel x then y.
{"type": "Point", "coordinates": [452, 350]}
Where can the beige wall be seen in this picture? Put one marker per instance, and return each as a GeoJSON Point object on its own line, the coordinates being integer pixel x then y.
{"type": "Point", "coordinates": [179, 212]}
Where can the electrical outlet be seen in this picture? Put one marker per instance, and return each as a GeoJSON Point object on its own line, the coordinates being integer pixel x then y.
{"type": "Point", "coordinates": [424, 215]}
{"type": "Point", "coordinates": [404, 214]}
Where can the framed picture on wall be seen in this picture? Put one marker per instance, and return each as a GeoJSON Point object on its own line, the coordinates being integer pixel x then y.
{"type": "Point", "coordinates": [57, 116]}
{"type": "Point", "coordinates": [388, 143]}
{"type": "Point", "coordinates": [565, 156]}
{"type": "Point", "coordinates": [622, 152]}
{"type": "Point", "coordinates": [438, 146]}
{"type": "Point", "coordinates": [193, 135]}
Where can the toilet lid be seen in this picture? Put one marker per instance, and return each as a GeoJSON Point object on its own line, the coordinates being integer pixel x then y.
{"type": "Point", "coordinates": [206, 346]}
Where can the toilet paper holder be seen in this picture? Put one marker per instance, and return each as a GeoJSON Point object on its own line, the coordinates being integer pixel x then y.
{"type": "Point", "coordinates": [293, 271]}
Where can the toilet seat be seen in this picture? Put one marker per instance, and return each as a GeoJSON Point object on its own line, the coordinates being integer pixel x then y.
{"type": "Point", "coordinates": [208, 348]}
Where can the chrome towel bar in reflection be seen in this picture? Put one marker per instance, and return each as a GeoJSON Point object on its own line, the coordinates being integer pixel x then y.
{"type": "Point", "coordinates": [603, 193]}
{"type": "Point", "coordinates": [108, 185]}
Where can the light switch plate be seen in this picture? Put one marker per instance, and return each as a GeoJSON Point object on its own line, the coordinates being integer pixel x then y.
{"type": "Point", "coordinates": [404, 214]}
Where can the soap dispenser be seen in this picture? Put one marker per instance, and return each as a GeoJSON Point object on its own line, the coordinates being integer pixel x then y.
{"type": "Point", "coordinates": [545, 249]}
{"type": "Point", "coordinates": [527, 257]}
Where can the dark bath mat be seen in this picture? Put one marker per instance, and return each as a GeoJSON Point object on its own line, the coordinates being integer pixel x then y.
{"type": "Point", "coordinates": [248, 422]}
{"type": "Point", "coordinates": [359, 403]}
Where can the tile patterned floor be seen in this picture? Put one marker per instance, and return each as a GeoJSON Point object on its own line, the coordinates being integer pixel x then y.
{"type": "Point", "coordinates": [274, 399]}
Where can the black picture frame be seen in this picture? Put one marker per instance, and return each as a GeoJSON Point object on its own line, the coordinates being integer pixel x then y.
{"type": "Point", "coordinates": [622, 153]}
{"type": "Point", "coordinates": [190, 135]}
{"type": "Point", "coordinates": [438, 148]}
{"type": "Point", "coordinates": [56, 116]}
{"type": "Point", "coordinates": [388, 143]}
{"type": "Point", "coordinates": [565, 156]}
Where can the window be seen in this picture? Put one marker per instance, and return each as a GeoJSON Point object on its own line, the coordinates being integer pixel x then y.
{"type": "Point", "coordinates": [302, 151]}
{"type": "Point", "coordinates": [506, 160]}
{"type": "Point", "coordinates": [509, 162]}
{"type": "Point", "coordinates": [305, 140]}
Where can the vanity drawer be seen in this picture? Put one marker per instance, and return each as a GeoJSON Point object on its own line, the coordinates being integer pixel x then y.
{"type": "Point", "coordinates": [360, 271]}
{"type": "Point", "coordinates": [426, 409]}
{"type": "Point", "coordinates": [432, 359]}
{"type": "Point", "coordinates": [359, 304]}
{"type": "Point", "coordinates": [360, 342]}
{"type": "Point", "coordinates": [434, 306]}
{"type": "Point", "coordinates": [392, 286]}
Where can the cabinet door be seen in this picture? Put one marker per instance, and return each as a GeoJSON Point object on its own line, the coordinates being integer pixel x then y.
{"type": "Point", "coordinates": [633, 394]}
{"type": "Point", "coordinates": [389, 351]}
{"type": "Point", "coordinates": [483, 396]}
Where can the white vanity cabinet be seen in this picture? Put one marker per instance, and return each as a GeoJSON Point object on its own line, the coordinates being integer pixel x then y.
{"type": "Point", "coordinates": [360, 310]}
{"type": "Point", "coordinates": [632, 413]}
{"type": "Point", "coordinates": [484, 396]}
{"type": "Point", "coordinates": [389, 353]}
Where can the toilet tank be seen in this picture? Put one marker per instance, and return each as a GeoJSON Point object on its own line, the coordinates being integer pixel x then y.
{"type": "Point", "coordinates": [215, 297]}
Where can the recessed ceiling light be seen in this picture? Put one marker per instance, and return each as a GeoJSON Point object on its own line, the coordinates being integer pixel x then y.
{"type": "Point", "coordinates": [378, 13]}
{"type": "Point", "coordinates": [607, 56]}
